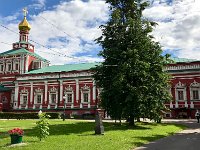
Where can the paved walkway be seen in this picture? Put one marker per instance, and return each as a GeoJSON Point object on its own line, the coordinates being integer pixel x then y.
{"type": "Point", "coordinates": [188, 139]}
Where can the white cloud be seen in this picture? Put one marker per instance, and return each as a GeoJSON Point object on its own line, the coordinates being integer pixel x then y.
{"type": "Point", "coordinates": [69, 29]}
{"type": "Point", "coordinates": [38, 4]}
{"type": "Point", "coordinates": [179, 25]}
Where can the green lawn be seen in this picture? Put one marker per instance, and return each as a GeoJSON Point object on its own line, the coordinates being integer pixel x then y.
{"type": "Point", "coordinates": [79, 135]}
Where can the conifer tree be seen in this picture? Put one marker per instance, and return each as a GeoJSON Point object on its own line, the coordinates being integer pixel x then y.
{"type": "Point", "coordinates": [132, 77]}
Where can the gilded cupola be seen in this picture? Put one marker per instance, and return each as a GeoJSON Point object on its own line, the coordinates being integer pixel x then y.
{"type": "Point", "coordinates": [24, 25]}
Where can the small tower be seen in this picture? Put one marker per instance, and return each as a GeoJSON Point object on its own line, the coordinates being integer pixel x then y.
{"type": "Point", "coordinates": [24, 28]}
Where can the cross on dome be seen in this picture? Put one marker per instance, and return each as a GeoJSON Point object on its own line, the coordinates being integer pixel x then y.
{"type": "Point", "coordinates": [25, 11]}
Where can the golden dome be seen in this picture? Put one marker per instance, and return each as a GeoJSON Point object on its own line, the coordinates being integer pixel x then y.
{"type": "Point", "coordinates": [24, 25]}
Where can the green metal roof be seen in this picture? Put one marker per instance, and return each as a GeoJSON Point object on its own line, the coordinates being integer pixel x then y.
{"type": "Point", "coordinates": [64, 68]}
{"type": "Point", "coordinates": [184, 60]}
{"type": "Point", "coordinates": [4, 89]}
{"type": "Point", "coordinates": [21, 51]}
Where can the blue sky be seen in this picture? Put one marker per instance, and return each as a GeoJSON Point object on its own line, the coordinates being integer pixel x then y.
{"type": "Point", "coordinates": [69, 27]}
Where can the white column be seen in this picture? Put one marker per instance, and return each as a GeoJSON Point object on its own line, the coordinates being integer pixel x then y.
{"type": "Point", "coordinates": [31, 99]}
{"type": "Point", "coordinates": [176, 105]}
{"type": "Point", "coordinates": [89, 105]}
{"type": "Point", "coordinates": [45, 91]}
{"type": "Point", "coordinates": [186, 105]}
{"type": "Point", "coordinates": [22, 63]}
{"type": "Point", "coordinates": [94, 91]}
{"type": "Point", "coordinates": [61, 90]}
{"type": "Point", "coordinates": [192, 105]}
{"type": "Point", "coordinates": [27, 60]}
{"type": "Point", "coordinates": [72, 105]}
{"type": "Point", "coordinates": [171, 105]}
{"type": "Point", "coordinates": [77, 90]}
{"type": "Point", "coordinates": [16, 95]}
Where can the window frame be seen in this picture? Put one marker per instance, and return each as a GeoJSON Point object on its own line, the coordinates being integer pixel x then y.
{"type": "Point", "coordinates": [85, 90]}
{"type": "Point", "coordinates": [195, 86]}
{"type": "Point", "coordinates": [180, 87]}
{"type": "Point", "coordinates": [69, 91]}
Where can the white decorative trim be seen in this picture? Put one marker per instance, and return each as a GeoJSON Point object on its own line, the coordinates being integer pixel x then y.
{"type": "Point", "coordinates": [16, 95]}
{"type": "Point", "coordinates": [94, 91]}
{"type": "Point", "coordinates": [31, 99]}
{"type": "Point", "coordinates": [180, 87]}
{"type": "Point", "coordinates": [171, 105]}
{"type": "Point", "coordinates": [89, 106]}
{"type": "Point", "coordinates": [183, 67]}
{"type": "Point", "coordinates": [186, 105]}
{"type": "Point", "coordinates": [85, 90]}
{"type": "Point", "coordinates": [194, 84]}
{"type": "Point", "coordinates": [77, 90]}
{"type": "Point", "coordinates": [45, 90]}
{"type": "Point", "coordinates": [61, 90]}
{"type": "Point", "coordinates": [81, 105]}
{"type": "Point", "coordinates": [24, 90]}
{"type": "Point", "coordinates": [176, 105]}
{"type": "Point", "coordinates": [192, 105]}
{"type": "Point", "coordinates": [53, 89]}
{"type": "Point", "coordinates": [27, 60]}
{"type": "Point", "coordinates": [72, 105]}
{"type": "Point", "coordinates": [69, 90]}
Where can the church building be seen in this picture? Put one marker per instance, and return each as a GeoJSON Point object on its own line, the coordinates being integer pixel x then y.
{"type": "Point", "coordinates": [28, 83]}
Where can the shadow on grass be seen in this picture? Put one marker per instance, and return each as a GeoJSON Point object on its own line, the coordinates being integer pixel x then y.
{"type": "Point", "coordinates": [78, 128]}
{"type": "Point", "coordinates": [147, 139]}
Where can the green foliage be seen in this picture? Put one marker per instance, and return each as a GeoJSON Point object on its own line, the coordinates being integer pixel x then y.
{"type": "Point", "coordinates": [26, 115]}
{"type": "Point", "coordinates": [132, 76]}
{"type": "Point", "coordinates": [43, 126]}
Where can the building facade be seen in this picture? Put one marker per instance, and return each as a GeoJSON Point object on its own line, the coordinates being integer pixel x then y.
{"type": "Point", "coordinates": [28, 83]}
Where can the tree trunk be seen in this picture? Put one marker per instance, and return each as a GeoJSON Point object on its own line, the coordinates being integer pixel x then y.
{"type": "Point", "coordinates": [132, 120]}
{"type": "Point", "coordinates": [138, 119]}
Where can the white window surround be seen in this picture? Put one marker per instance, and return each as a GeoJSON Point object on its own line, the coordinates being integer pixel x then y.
{"type": "Point", "coordinates": [195, 86]}
{"type": "Point", "coordinates": [1, 67]}
{"type": "Point", "coordinates": [24, 97]}
{"type": "Point", "coordinates": [85, 90]}
{"type": "Point", "coordinates": [36, 64]}
{"type": "Point", "coordinates": [180, 87]}
{"type": "Point", "coordinates": [69, 91]}
{"type": "Point", "coordinates": [8, 66]}
{"type": "Point", "coordinates": [38, 94]}
{"type": "Point", "coordinates": [53, 91]}
{"type": "Point", "coordinates": [16, 63]}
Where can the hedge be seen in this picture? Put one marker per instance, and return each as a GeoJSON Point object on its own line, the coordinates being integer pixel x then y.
{"type": "Point", "coordinates": [26, 115]}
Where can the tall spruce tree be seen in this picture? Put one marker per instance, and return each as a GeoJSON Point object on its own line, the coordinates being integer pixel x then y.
{"type": "Point", "coordinates": [132, 77]}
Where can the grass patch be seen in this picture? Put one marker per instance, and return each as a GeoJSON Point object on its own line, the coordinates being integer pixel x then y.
{"type": "Point", "coordinates": [76, 134]}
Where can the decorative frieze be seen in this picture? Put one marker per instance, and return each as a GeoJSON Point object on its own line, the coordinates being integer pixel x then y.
{"type": "Point", "coordinates": [183, 67]}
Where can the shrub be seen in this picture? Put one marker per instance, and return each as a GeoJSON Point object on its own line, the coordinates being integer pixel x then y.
{"type": "Point", "coordinates": [43, 126]}
{"type": "Point", "coordinates": [27, 115]}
